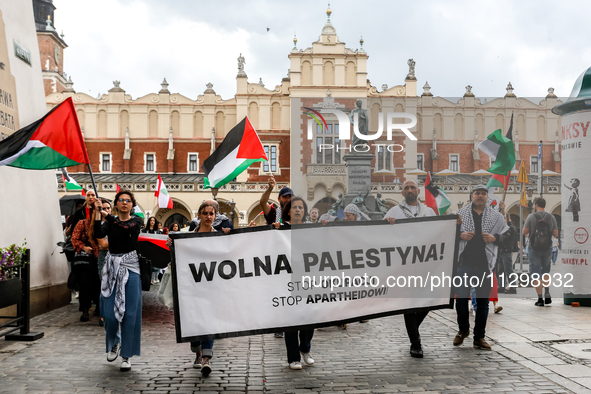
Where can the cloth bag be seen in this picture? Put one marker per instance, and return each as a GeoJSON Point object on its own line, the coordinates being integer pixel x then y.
{"type": "Point", "coordinates": [165, 292]}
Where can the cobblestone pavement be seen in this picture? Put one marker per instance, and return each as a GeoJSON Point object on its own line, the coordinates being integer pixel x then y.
{"type": "Point", "coordinates": [366, 358]}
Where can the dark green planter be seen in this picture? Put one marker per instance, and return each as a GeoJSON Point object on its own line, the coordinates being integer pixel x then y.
{"type": "Point", "coordinates": [582, 299]}
{"type": "Point", "coordinates": [11, 292]}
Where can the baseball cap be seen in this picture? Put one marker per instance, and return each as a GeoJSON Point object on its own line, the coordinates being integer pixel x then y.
{"type": "Point", "coordinates": [479, 187]}
{"type": "Point", "coordinates": [285, 192]}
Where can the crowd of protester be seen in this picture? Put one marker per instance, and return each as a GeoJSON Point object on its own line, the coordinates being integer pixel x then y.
{"type": "Point", "coordinates": [105, 265]}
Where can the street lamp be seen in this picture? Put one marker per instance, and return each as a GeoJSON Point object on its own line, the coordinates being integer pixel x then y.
{"type": "Point", "coordinates": [214, 192]}
{"type": "Point", "coordinates": [232, 206]}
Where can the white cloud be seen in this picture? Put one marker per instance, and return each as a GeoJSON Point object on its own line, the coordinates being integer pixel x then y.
{"type": "Point", "coordinates": [126, 42]}
{"type": "Point", "coordinates": [533, 44]}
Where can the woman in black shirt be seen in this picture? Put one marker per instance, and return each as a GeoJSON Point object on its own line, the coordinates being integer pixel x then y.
{"type": "Point", "coordinates": [121, 289]}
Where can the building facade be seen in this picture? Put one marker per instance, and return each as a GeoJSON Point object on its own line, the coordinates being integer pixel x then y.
{"type": "Point", "coordinates": [131, 141]}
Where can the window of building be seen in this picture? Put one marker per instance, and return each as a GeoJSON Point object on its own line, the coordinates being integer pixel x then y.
{"type": "Point", "coordinates": [271, 152]}
{"type": "Point", "coordinates": [193, 162]}
{"type": "Point", "coordinates": [533, 164]}
{"type": "Point", "coordinates": [454, 163]}
{"type": "Point", "coordinates": [106, 162]}
{"type": "Point", "coordinates": [384, 158]}
{"type": "Point", "coordinates": [420, 161]}
{"type": "Point", "coordinates": [327, 142]}
{"type": "Point", "coordinates": [149, 162]}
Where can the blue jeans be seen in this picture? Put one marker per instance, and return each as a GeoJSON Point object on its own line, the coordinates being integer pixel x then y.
{"type": "Point", "coordinates": [129, 332]}
{"type": "Point", "coordinates": [205, 347]}
{"type": "Point", "coordinates": [482, 297]}
{"type": "Point", "coordinates": [540, 262]}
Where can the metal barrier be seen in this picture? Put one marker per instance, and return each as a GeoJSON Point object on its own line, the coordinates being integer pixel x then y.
{"type": "Point", "coordinates": [18, 291]}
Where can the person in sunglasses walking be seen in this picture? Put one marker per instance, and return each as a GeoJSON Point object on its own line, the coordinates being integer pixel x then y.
{"type": "Point", "coordinates": [121, 288]}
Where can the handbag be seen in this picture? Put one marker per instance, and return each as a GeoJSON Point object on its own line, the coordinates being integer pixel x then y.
{"type": "Point", "coordinates": [145, 272]}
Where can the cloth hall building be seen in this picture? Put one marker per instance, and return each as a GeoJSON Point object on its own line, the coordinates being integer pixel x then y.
{"type": "Point", "coordinates": [130, 141]}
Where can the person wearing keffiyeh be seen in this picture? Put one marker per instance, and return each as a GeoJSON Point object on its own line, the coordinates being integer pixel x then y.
{"type": "Point", "coordinates": [411, 208]}
{"type": "Point", "coordinates": [121, 291]}
{"type": "Point", "coordinates": [354, 214]}
{"type": "Point", "coordinates": [482, 230]}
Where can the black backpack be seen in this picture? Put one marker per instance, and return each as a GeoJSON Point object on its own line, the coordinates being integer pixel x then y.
{"type": "Point", "coordinates": [541, 239]}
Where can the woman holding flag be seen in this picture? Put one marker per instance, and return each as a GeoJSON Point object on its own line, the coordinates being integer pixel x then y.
{"type": "Point", "coordinates": [121, 290]}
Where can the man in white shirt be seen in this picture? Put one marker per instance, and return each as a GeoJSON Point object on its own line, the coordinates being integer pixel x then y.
{"type": "Point", "coordinates": [411, 208]}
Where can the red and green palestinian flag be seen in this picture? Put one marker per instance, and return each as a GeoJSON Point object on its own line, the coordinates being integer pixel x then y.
{"type": "Point", "coordinates": [69, 182]}
{"type": "Point", "coordinates": [53, 141]}
{"type": "Point", "coordinates": [435, 198]}
{"type": "Point", "coordinates": [502, 179]}
{"type": "Point", "coordinates": [501, 149]}
{"type": "Point", "coordinates": [239, 149]}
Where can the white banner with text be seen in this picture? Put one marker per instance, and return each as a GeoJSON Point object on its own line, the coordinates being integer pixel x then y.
{"type": "Point", "coordinates": [262, 280]}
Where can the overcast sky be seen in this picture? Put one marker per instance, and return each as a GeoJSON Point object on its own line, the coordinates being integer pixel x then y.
{"type": "Point", "coordinates": [533, 44]}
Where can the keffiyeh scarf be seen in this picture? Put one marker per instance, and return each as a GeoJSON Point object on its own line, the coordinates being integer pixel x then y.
{"type": "Point", "coordinates": [354, 209]}
{"type": "Point", "coordinates": [492, 223]}
{"type": "Point", "coordinates": [421, 211]}
{"type": "Point", "coordinates": [116, 273]}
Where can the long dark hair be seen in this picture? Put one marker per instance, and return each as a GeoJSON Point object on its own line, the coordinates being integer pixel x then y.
{"type": "Point", "coordinates": [285, 213]}
{"type": "Point", "coordinates": [155, 223]}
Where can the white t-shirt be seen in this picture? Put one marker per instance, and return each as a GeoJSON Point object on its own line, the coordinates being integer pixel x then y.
{"type": "Point", "coordinates": [397, 213]}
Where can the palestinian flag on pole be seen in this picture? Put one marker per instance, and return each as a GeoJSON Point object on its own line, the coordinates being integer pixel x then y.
{"type": "Point", "coordinates": [239, 149]}
{"type": "Point", "coordinates": [54, 141]}
{"type": "Point", "coordinates": [501, 180]}
{"type": "Point", "coordinates": [435, 198]}
{"type": "Point", "coordinates": [501, 149]}
{"type": "Point", "coordinates": [69, 182]}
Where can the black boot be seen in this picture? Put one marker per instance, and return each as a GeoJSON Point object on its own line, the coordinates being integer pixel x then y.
{"type": "Point", "coordinates": [416, 350]}
{"type": "Point", "coordinates": [85, 317]}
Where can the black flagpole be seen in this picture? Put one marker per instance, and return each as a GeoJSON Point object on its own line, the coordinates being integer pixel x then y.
{"type": "Point", "coordinates": [92, 179]}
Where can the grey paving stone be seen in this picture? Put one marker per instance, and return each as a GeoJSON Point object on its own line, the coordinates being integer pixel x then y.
{"type": "Point", "coordinates": [365, 358]}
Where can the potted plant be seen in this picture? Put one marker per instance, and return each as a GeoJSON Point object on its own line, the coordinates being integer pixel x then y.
{"type": "Point", "coordinates": [11, 286]}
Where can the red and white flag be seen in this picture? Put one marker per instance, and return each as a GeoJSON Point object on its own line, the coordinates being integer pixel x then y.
{"type": "Point", "coordinates": [164, 200]}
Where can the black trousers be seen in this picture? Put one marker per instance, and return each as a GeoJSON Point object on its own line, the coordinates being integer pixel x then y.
{"type": "Point", "coordinates": [88, 282]}
{"type": "Point", "coordinates": [295, 346]}
{"type": "Point", "coordinates": [413, 321]}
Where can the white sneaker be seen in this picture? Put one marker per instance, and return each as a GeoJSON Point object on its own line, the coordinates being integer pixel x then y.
{"type": "Point", "coordinates": [308, 358]}
{"type": "Point", "coordinates": [114, 353]}
{"type": "Point", "coordinates": [125, 365]}
{"type": "Point", "coordinates": [295, 365]}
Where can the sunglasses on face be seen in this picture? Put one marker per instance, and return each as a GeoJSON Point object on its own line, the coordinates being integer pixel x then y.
{"type": "Point", "coordinates": [125, 200]}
